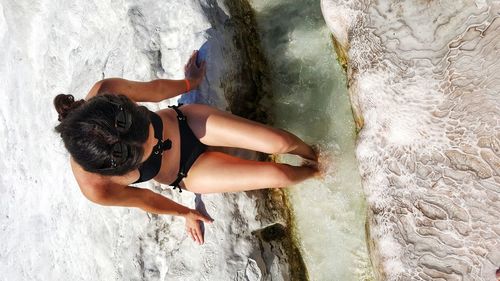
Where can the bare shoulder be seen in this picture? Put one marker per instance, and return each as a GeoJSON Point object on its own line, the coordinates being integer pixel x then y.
{"type": "Point", "coordinates": [111, 190]}
{"type": "Point", "coordinates": [97, 188]}
{"type": "Point", "coordinates": [94, 91]}
{"type": "Point", "coordinates": [93, 186]}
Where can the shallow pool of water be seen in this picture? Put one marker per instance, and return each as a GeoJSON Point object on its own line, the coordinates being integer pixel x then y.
{"type": "Point", "coordinates": [311, 100]}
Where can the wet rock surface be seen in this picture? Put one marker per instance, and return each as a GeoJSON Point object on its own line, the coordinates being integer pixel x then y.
{"type": "Point", "coordinates": [425, 76]}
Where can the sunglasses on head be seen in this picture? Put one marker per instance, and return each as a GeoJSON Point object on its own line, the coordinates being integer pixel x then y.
{"type": "Point", "coordinates": [120, 151]}
{"type": "Point", "coordinates": [123, 119]}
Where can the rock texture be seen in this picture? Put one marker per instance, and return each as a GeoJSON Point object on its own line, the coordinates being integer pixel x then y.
{"type": "Point", "coordinates": [424, 75]}
{"type": "Point", "coordinates": [49, 231]}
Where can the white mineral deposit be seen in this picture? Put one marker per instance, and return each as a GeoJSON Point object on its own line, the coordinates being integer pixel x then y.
{"type": "Point", "coordinates": [425, 75]}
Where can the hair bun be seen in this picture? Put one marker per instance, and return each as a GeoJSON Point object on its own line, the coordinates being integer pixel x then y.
{"type": "Point", "coordinates": [64, 104]}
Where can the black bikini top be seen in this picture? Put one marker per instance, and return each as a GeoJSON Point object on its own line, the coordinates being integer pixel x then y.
{"type": "Point", "coordinates": [151, 167]}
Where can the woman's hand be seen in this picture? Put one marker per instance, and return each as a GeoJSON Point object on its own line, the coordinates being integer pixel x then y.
{"type": "Point", "coordinates": [193, 72]}
{"type": "Point", "coordinates": [193, 228]}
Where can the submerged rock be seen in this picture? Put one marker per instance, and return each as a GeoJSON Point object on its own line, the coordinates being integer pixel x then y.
{"type": "Point", "coordinates": [424, 75]}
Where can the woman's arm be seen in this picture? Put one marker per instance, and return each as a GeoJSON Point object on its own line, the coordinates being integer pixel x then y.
{"type": "Point", "coordinates": [148, 201]}
{"type": "Point", "coordinates": [128, 196]}
{"type": "Point", "coordinates": [155, 90]}
{"type": "Point", "coordinates": [152, 91]}
{"type": "Point", "coordinates": [145, 199]}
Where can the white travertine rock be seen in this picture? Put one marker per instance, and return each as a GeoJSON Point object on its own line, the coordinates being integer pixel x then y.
{"type": "Point", "coordinates": [49, 231]}
{"type": "Point", "coordinates": [426, 77]}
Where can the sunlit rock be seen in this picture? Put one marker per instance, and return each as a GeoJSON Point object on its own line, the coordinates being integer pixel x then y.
{"type": "Point", "coordinates": [49, 230]}
{"type": "Point", "coordinates": [425, 75]}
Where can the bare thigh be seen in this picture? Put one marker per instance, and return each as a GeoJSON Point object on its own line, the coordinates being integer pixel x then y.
{"type": "Point", "coordinates": [218, 128]}
{"type": "Point", "coordinates": [219, 172]}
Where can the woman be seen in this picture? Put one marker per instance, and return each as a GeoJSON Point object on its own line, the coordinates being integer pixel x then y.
{"type": "Point", "coordinates": [114, 142]}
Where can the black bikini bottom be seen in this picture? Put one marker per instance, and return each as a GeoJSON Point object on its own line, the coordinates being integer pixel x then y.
{"type": "Point", "coordinates": [191, 147]}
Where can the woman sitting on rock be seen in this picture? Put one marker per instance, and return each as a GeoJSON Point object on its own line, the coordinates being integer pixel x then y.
{"type": "Point", "coordinates": [114, 142]}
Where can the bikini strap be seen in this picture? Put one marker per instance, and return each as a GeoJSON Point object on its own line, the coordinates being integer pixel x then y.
{"type": "Point", "coordinates": [180, 115]}
{"type": "Point", "coordinates": [177, 181]}
{"type": "Point", "coordinates": [182, 174]}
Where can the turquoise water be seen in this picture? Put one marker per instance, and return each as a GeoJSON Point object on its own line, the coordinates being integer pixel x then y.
{"type": "Point", "coordinates": [311, 100]}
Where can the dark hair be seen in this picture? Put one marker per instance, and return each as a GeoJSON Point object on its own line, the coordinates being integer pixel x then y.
{"type": "Point", "coordinates": [88, 131]}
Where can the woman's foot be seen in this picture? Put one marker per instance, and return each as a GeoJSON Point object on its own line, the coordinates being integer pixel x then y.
{"type": "Point", "coordinates": [313, 165]}
{"type": "Point", "coordinates": [312, 153]}
{"type": "Point", "coordinates": [312, 160]}
{"type": "Point", "coordinates": [327, 155]}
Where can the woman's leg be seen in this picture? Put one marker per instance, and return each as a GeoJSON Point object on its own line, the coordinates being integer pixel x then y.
{"type": "Point", "coordinates": [218, 128]}
{"type": "Point", "coordinates": [220, 172]}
